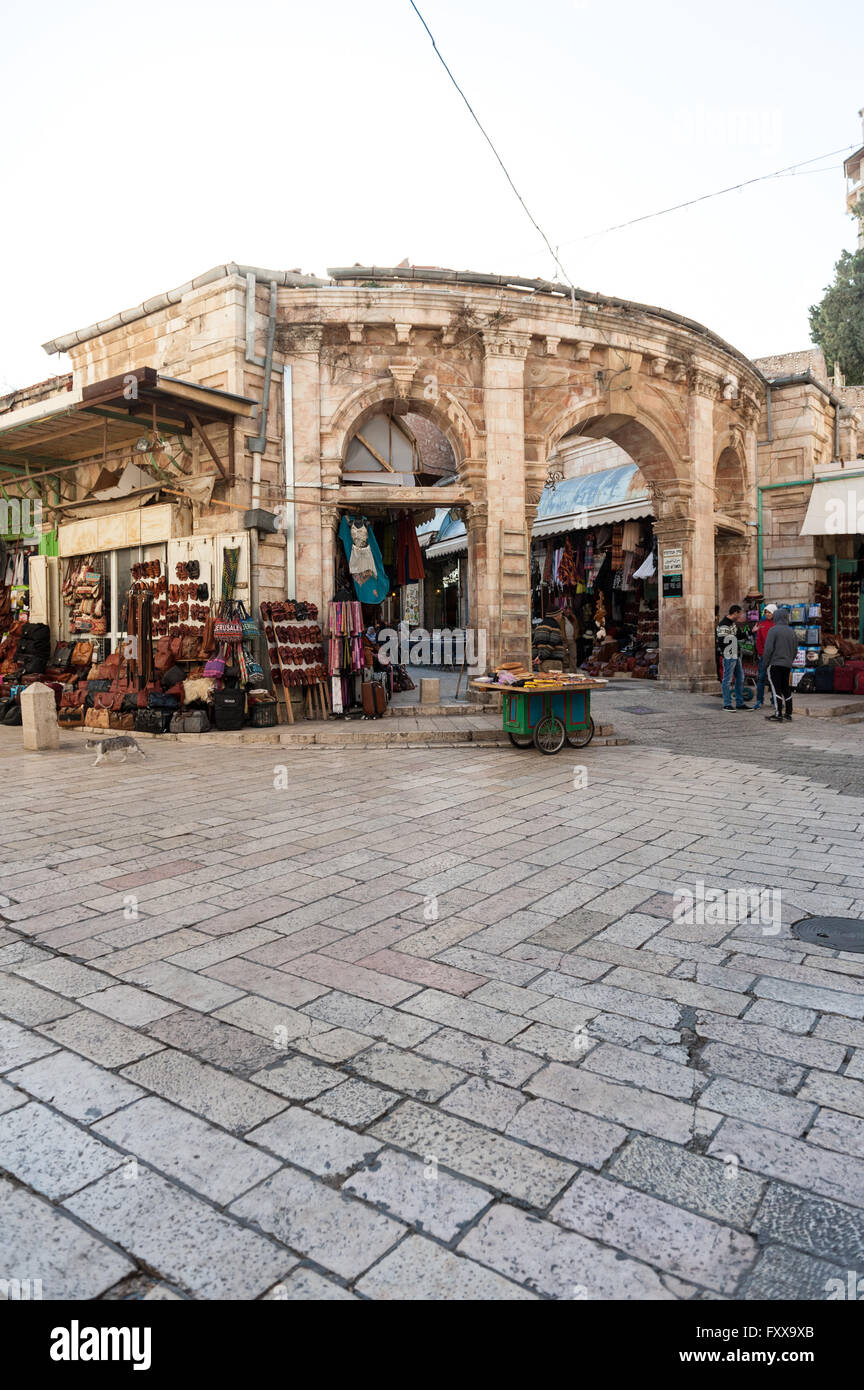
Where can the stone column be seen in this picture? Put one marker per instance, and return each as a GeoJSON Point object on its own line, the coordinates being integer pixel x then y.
{"type": "Point", "coordinates": [306, 371]}
{"type": "Point", "coordinates": [686, 521]}
{"type": "Point", "coordinates": [39, 718]}
{"type": "Point", "coordinates": [504, 608]}
{"type": "Point", "coordinates": [734, 577]}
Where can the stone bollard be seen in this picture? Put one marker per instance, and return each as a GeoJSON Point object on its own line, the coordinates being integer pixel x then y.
{"type": "Point", "coordinates": [39, 717]}
{"type": "Point", "coordinates": [430, 690]}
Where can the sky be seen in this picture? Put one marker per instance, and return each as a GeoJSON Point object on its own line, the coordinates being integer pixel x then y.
{"type": "Point", "coordinates": [143, 146]}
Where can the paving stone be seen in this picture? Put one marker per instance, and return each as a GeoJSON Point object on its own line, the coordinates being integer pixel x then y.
{"type": "Point", "coordinates": [306, 1286]}
{"type": "Point", "coordinates": [297, 1078]}
{"type": "Point", "coordinates": [787, 1275]}
{"type": "Point", "coordinates": [624, 1064]}
{"type": "Point", "coordinates": [833, 1130]}
{"type": "Point", "coordinates": [341, 1010]}
{"type": "Point", "coordinates": [512, 972]}
{"type": "Point", "coordinates": [556, 1044]}
{"type": "Point", "coordinates": [49, 1153]}
{"type": "Point", "coordinates": [192, 1245]}
{"type": "Point", "coordinates": [754, 1103]}
{"type": "Point", "coordinates": [485, 1102]}
{"type": "Point", "coordinates": [223, 948]}
{"type": "Point", "coordinates": [119, 962]}
{"type": "Point", "coordinates": [331, 1044]}
{"type": "Point", "coordinates": [352, 978]}
{"type": "Point", "coordinates": [604, 998]}
{"type": "Point", "coordinates": [751, 1067]}
{"type": "Point", "coordinates": [404, 1071]}
{"type": "Point", "coordinates": [213, 1040]}
{"type": "Point", "coordinates": [182, 986]}
{"type": "Point", "coordinates": [838, 1092]}
{"type": "Point", "coordinates": [776, 1015]}
{"type": "Point", "coordinates": [354, 1102]}
{"type": "Point", "coordinates": [265, 981]}
{"type": "Point", "coordinates": [821, 1227]}
{"type": "Point", "coordinates": [187, 1148]}
{"type": "Point", "coordinates": [827, 1001]}
{"type": "Point", "coordinates": [471, 1018]}
{"type": "Point", "coordinates": [278, 1023]}
{"type": "Point", "coordinates": [706, 1185]}
{"type": "Point", "coordinates": [569, 1133]}
{"type": "Point", "coordinates": [559, 1263]}
{"type": "Point", "coordinates": [792, 1160]}
{"type": "Point", "coordinates": [11, 1099]}
{"type": "Point", "coordinates": [336, 1231]}
{"type": "Point", "coordinates": [431, 973]}
{"type": "Point", "coordinates": [38, 1241]}
{"type": "Point", "coordinates": [314, 1142]}
{"type": "Point", "coordinates": [66, 977]}
{"type": "Point", "coordinates": [26, 1003]}
{"type": "Point", "coordinates": [488, 1059]}
{"type": "Point", "coordinates": [686, 1245]}
{"type": "Point", "coordinates": [74, 1086]}
{"type": "Point", "coordinates": [420, 1270]}
{"type": "Point", "coordinates": [126, 1004]}
{"type": "Point", "coordinates": [810, 1052]}
{"type": "Point", "coordinates": [19, 1046]}
{"type": "Point", "coordinates": [476, 1153]}
{"type": "Point", "coordinates": [103, 1040]}
{"type": "Point", "coordinates": [626, 1105]}
{"type": "Point", "coordinates": [215, 1095]}
{"type": "Point", "coordinates": [424, 1195]}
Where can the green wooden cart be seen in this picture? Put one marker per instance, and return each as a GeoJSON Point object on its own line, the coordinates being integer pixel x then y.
{"type": "Point", "coordinates": [545, 719]}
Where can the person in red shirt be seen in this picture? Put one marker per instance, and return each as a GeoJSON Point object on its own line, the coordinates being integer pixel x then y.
{"type": "Point", "coordinates": [763, 627]}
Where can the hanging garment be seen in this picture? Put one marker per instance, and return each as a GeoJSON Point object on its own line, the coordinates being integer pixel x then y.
{"type": "Point", "coordinates": [409, 556]}
{"type": "Point", "coordinates": [630, 535]}
{"type": "Point", "coordinates": [364, 559]}
{"type": "Point", "coordinates": [647, 569]}
{"type": "Point", "coordinates": [617, 547]}
{"type": "Point", "coordinates": [567, 566]}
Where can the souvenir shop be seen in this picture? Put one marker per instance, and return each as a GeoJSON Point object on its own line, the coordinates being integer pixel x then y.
{"type": "Point", "coordinates": [594, 589]}
{"type": "Point", "coordinates": [378, 584]}
{"type": "Point", "coordinates": [161, 637]}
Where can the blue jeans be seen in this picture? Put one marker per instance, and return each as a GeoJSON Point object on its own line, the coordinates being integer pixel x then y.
{"type": "Point", "coordinates": [733, 664]}
{"type": "Point", "coordinates": [760, 682]}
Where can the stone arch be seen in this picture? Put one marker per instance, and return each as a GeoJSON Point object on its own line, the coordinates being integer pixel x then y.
{"type": "Point", "coordinates": [445, 412]}
{"type": "Point", "coordinates": [644, 436]}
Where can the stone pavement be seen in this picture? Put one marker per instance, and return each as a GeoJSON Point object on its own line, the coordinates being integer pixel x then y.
{"type": "Point", "coordinates": [430, 1023]}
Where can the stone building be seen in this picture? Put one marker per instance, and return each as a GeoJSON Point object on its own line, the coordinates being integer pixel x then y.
{"type": "Point", "coordinates": [267, 405]}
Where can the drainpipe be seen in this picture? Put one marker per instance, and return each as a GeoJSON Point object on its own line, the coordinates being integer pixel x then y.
{"type": "Point", "coordinates": [288, 446]}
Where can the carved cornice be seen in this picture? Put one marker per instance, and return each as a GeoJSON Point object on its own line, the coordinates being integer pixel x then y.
{"type": "Point", "coordinates": [499, 343]}
{"type": "Point", "coordinates": [403, 373]}
{"type": "Point", "coordinates": [702, 383]}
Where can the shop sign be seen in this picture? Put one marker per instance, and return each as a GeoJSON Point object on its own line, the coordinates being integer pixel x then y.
{"type": "Point", "coordinates": [673, 559]}
{"type": "Point", "coordinates": [673, 585]}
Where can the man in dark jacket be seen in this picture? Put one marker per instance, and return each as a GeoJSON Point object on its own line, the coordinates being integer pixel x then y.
{"type": "Point", "coordinates": [728, 634]}
{"type": "Point", "coordinates": [781, 646]}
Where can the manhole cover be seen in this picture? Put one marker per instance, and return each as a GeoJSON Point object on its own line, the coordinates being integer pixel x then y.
{"type": "Point", "coordinates": [834, 933]}
{"type": "Point", "coordinates": [638, 709]}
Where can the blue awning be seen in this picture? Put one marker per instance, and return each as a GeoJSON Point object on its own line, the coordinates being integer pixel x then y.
{"type": "Point", "coordinates": [613, 494]}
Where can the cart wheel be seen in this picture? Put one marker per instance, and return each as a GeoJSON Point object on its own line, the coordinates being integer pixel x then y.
{"type": "Point", "coordinates": [521, 740]}
{"type": "Point", "coordinates": [582, 737]}
{"type": "Point", "coordinates": [549, 734]}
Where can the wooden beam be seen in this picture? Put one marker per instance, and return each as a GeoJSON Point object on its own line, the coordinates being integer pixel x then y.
{"type": "Point", "coordinates": [374, 452]}
{"type": "Point", "coordinates": [211, 451]}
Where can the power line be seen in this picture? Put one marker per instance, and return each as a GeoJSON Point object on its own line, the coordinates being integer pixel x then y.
{"type": "Point", "coordinates": [491, 145]}
{"type": "Point", "coordinates": [761, 178]}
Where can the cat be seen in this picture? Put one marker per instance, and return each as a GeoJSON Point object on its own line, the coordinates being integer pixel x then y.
{"type": "Point", "coordinates": [105, 746]}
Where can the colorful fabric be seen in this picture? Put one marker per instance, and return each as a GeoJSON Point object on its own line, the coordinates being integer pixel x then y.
{"type": "Point", "coordinates": [371, 584]}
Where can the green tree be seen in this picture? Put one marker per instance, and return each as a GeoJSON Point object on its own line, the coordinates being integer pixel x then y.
{"type": "Point", "coordinates": [837, 322]}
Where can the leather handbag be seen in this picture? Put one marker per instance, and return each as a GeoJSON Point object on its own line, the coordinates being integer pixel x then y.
{"type": "Point", "coordinates": [82, 653]}
{"type": "Point", "coordinates": [157, 701]}
{"type": "Point", "coordinates": [150, 721]}
{"type": "Point", "coordinates": [174, 675]}
{"type": "Point", "coordinates": [97, 719]}
{"type": "Point", "coordinates": [62, 659]}
{"type": "Point", "coordinates": [71, 716]}
{"type": "Point", "coordinates": [117, 719]}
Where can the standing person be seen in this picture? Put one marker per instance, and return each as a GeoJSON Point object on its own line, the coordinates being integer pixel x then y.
{"type": "Point", "coordinates": [763, 627]}
{"type": "Point", "coordinates": [781, 647]}
{"type": "Point", "coordinates": [727, 641]}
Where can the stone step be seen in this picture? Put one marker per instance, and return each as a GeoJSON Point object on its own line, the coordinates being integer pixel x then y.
{"type": "Point", "coordinates": [370, 733]}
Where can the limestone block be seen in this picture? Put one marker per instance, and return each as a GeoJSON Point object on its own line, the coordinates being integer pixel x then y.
{"type": "Point", "coordinates": [430, 690]}
{"type": "Point", "coordinates": [39, 717]}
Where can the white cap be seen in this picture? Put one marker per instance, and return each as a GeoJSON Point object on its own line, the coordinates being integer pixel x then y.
{"type": "Point", "coordinates": [770, 608]}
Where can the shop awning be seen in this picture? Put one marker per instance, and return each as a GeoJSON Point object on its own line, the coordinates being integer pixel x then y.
{"type": "Point", "coordinates": [451, 538]}
{"type": "Point", "coordinates": [126, 412]}
{"type": "Point", "coordinates": [836, 508]}
{"type": "Point", "coordinates": [613, 494]}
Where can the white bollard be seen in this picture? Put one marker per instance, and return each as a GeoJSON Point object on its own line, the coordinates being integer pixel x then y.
{"type": "Point", "coordinates": [39, 717]}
